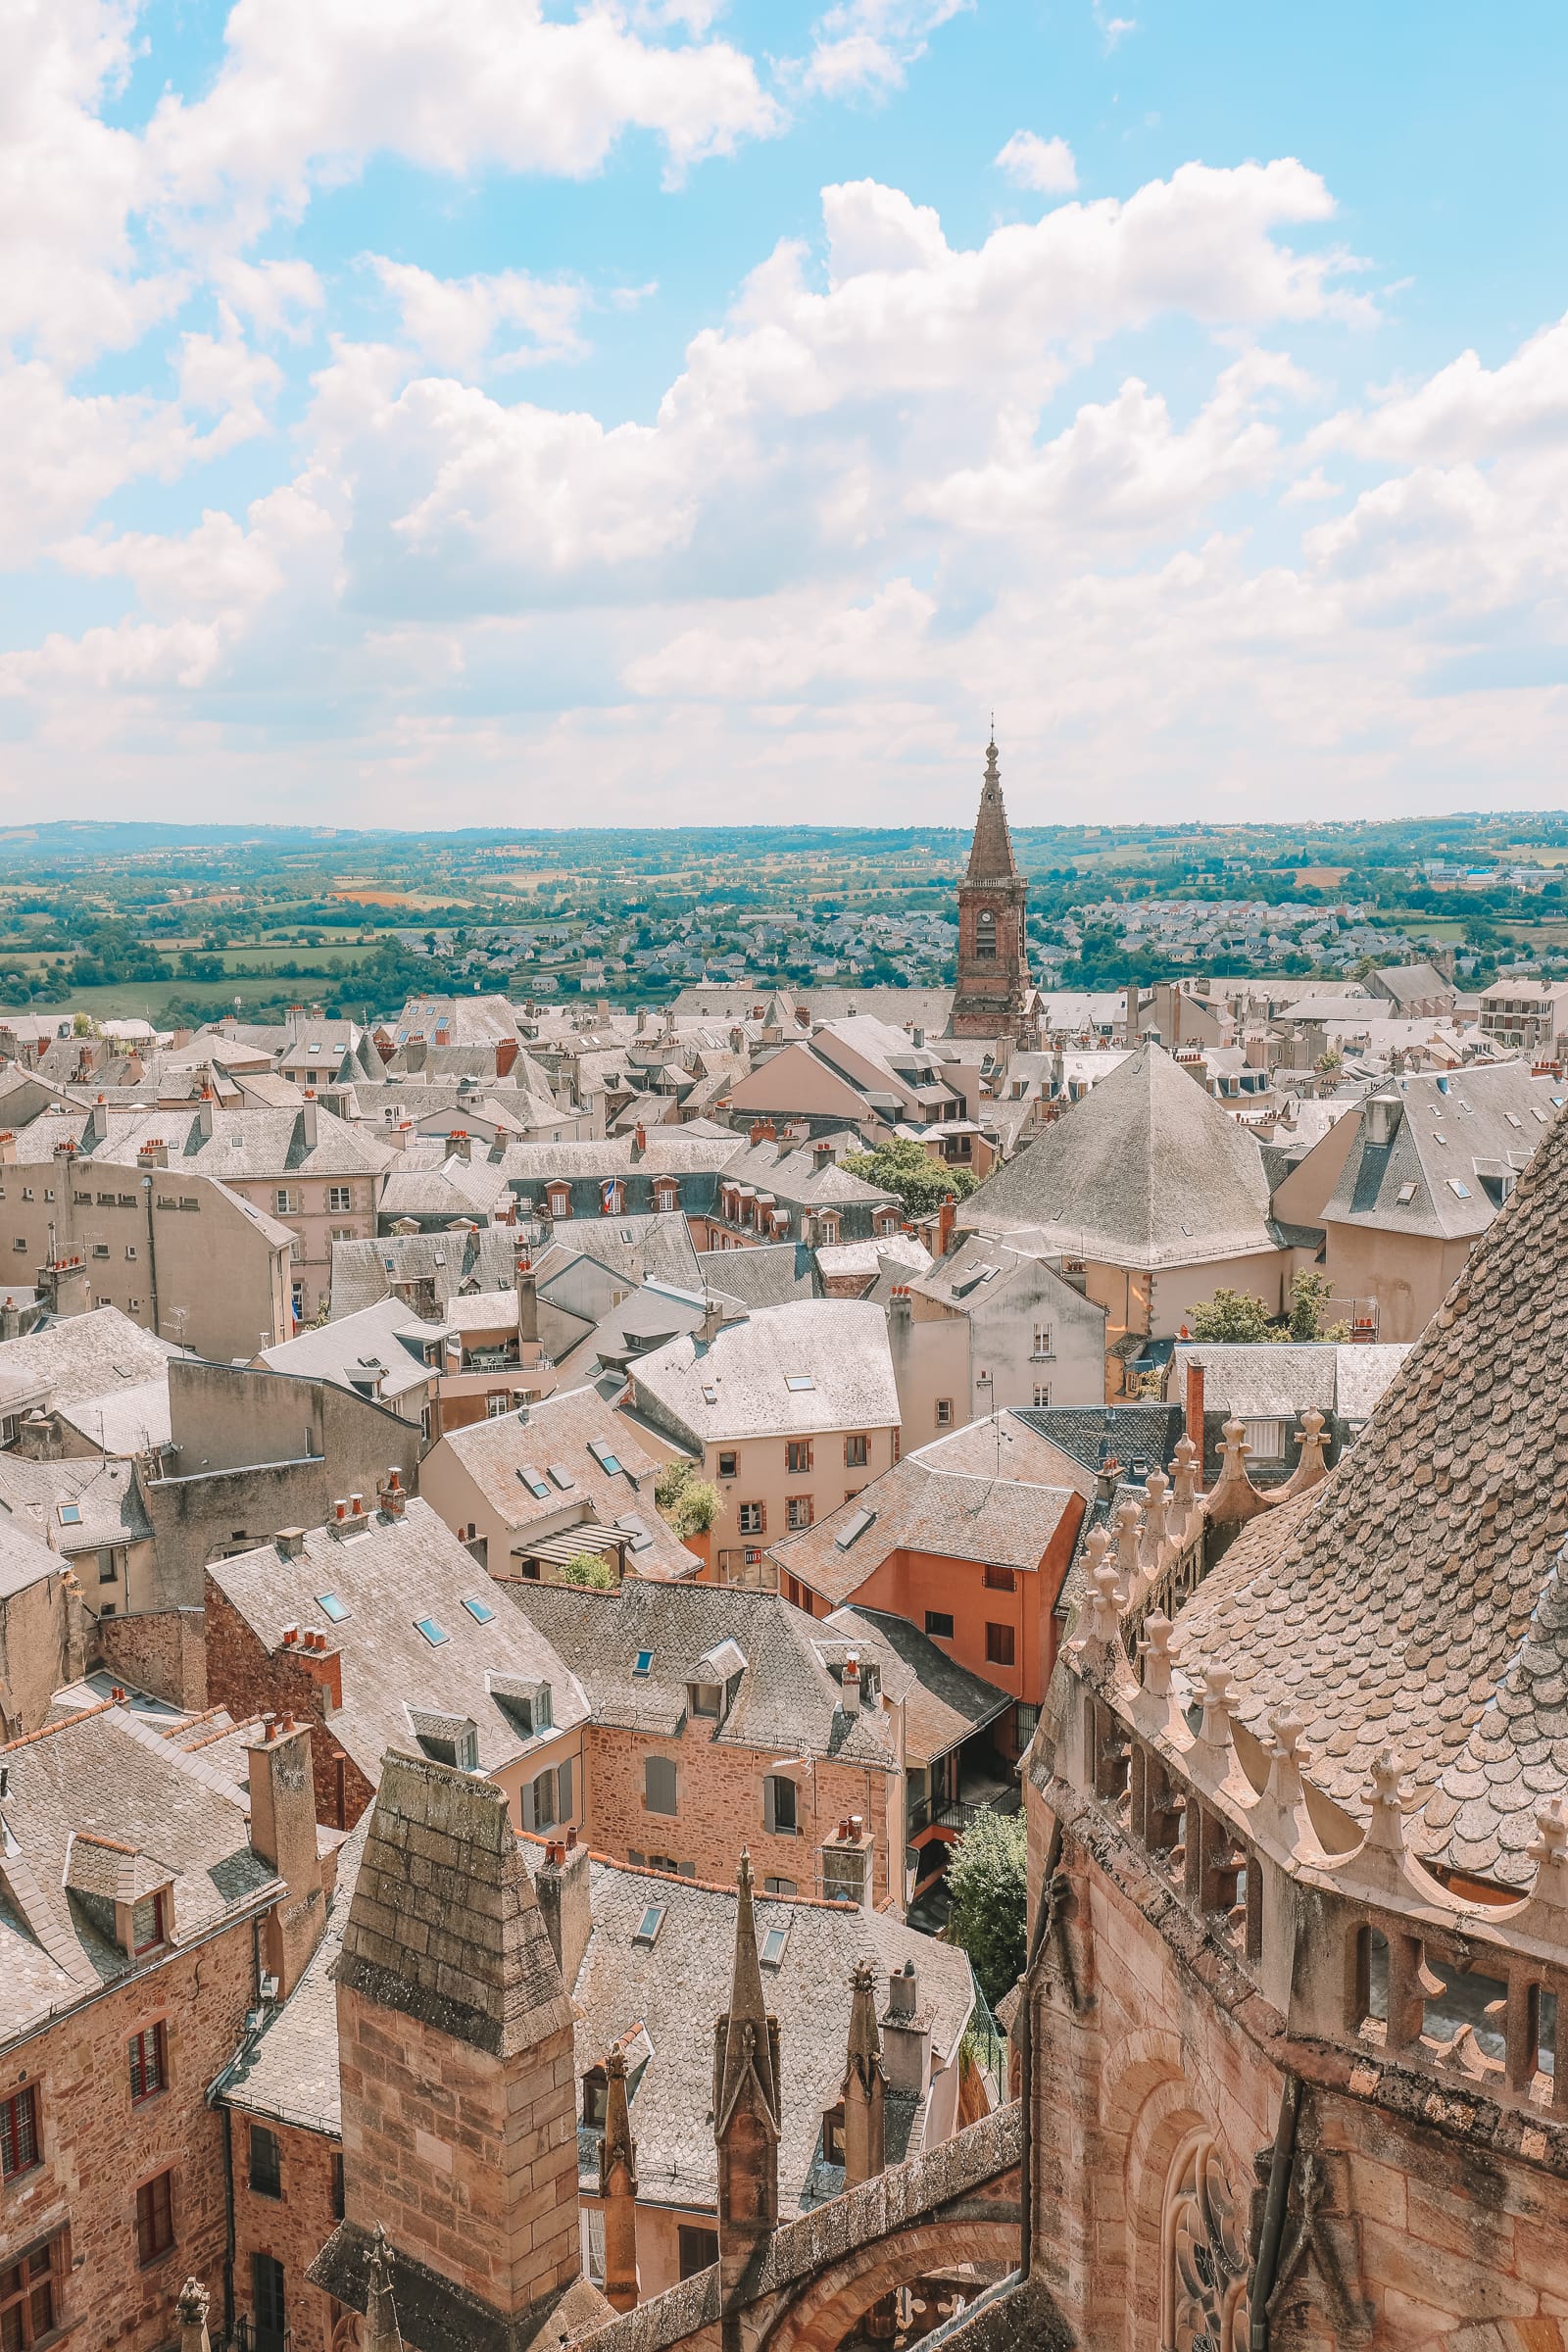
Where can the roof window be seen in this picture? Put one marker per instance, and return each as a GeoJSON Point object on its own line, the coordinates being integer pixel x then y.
{"type": "Point", "coordinates": [856, 1525]}
{"type": "Point", "coordinates": [433, 1633]}
{"type": "Point", "coordinates": [771, 1949]}
{"type": "Point", "coordinates": [1405, 1194]}
{"type": "Point", "coordinates": [479, 1610]}
{"type": "Point", "coordinates": [648, 1927]}
{"type": "Point", "coordinates": [644, 1662]}
{"type": "Point", "coordinates": [534, 1480]}
{"type": "Point", "coordinates": [798, 1382]}
{"type": "Point", "coordinates": [1460, 1190]}
{"type": "Point", "coordinates": [710, 1395]}
{"type": "Point", "coordinates": [561, 1475]}
{"type": "Point", "coordinates": [330, 1606]}
{"type": "Point", "coordinates": [71, 1515]}
{"type": "Point", "coordinates": [608, 1461]}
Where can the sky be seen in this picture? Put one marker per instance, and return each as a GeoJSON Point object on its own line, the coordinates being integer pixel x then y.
{"type": "Point", "coordinates": [478, 412]}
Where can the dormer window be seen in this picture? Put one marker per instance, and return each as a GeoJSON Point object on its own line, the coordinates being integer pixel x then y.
{"type": "Point", "coordinates": [706, 1699]}
{"type": "Point", "coordinates": [147, 1924]}
{"type": "Point", "coordinates": [594, 2098]}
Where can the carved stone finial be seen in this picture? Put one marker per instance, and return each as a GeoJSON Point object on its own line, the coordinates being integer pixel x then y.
{"type": "Point", "coordinates": [190, 2311]}
{"type": "Point", "coordinates": [1186, 1471]}
{"type": "Point", "coordinates": [1105, 1608]}
{"type": "Point", "coordinates": [1154, 1649]}
{"type": "Point", "coordinates": [1155, 1529]}
{"type": "Point", "coordinates": [1215, 1730]}
{"type": "Point", "coordinates": [1237, 1449]}
{"type": "Point", "coordinates": [1391, 1800]}
{"type": "Point", "coordinates": [1548, 1850]}
{"type": "Point", "coordinates": [1129, 1525]}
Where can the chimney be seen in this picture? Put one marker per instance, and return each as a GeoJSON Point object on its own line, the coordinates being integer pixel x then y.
{"type": "Point", "coordinates": [393, 1496]}
{"type": "Point", "coordinates": [63, 1284]}
{"type": "Point", "coordinates": [461, 1142]}
{"type": "Point", "coordinates": [821, 1152]}
{"type": "Point", "coordinates": [204, 1113]}
{"type": "Point", "coordinates": [907, 2034]}
{"type": "Point", "coordinates": [507, 1049]}
{"type": "Point", "coordinates": [526, 1283]}
{"type": "Point", "coordinates": [98, 1123]}
{"type": "Point", "coordinates": [756, 1135]}
{"type": "Point", "coordinates": [639, 1140]}
{"type": "Point", "coordinates": [945, 1216]}
{"type": "Point", "coordinates": [617, 2189]}
{"type": "Point", "coordinates": [1194, 1404]}
{"type": "Point", "coordinates": [917, 1035]}
{"type": "Point", "coordinates": [153, 1155]}
{"type": "Point", "coordinates": [290, 1542]}
{"type": "Point", "coordinates": [561, 1883]}
{"type": "Point", "coordinates": [282, 1793]}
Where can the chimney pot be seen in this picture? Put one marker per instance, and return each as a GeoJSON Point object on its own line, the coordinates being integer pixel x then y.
{"type": "Point", "coordinates": [291, 1634]}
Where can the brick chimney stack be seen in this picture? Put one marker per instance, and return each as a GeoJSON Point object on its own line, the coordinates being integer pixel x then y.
{"type": "Point", "coordinates": [282, 1793]}
{"type": "Point", "coordinates": [562, 1887]}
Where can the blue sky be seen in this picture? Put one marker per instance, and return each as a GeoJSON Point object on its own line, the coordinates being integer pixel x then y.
{"type": "Point", "coordinates": [473, 410]}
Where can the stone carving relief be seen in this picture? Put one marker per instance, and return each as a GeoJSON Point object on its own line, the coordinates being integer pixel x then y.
{"type": "Point", "coordinates": [1205, 2255]}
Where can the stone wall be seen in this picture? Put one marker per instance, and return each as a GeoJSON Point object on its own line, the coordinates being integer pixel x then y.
{"type": "Point", "coordinates": [292, 2228]}
{"type": "Point", "coordinates": [162, 1651]}
{"type": "Point", "coordinates": [99, 2149]}
{"type": "Point", "coordinates": [249, 1679]}
{"type": "Point", "coordinates": [719, 1797]}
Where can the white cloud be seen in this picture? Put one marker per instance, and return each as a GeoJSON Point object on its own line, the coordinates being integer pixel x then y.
{"type": "Point", "coordinates": [1465, 407]}
{"type": "Point", "coordinates": [867, 46]}
{"type": "Point", "coordinates": [1113, 31]}
{"type": "Point", "coordinates": [1031, 161]}
{"type": "Point", "coordinates": [453, 321]}
{"type": "Point", "coordinates": [803, 649]}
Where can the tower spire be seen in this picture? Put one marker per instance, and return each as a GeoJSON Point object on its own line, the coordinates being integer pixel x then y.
{"type": "Point", "coordinates": [994, 993]}
{"type": "Point", "coordinates": [746, 2103]}
{"type": "Point", "coordinates": [617, 2187]}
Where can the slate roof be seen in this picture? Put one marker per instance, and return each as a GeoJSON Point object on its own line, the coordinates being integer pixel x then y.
{"type": "Point", "coordinates": [785, 1701]}
{"type": "Point", "coordinates": [944, 1704]}
{"type": "Point", "coordinates": [767, 1276]}
{"type": "Point", "coordinates": [290, 2071]}
{"type": "Point", "coordinates": [386, 1579]}
{"type": "Point", "coordinates": [1146, 1171]}
{"type": "Point", "coordinates": [794, 1174]}
{"type": "Point", "coordinates": [364, 1272]}
{"type": "Point", "coordinates": [387, 1337]}
{"type": "Point", "coordinates": [1473, 1129]}
{"type": "Point", "coordinates": [562, 1430]}
{"type": "Point", "coordinates": [675, 1987]}
{"type": "Point", "coordinates": [25, 1557]}
{"type": "Point", "coordinates": [841, 1344]}
{"type": "Point", "coordinates": [242, 1144]}
{"type": "Point", "coordinates": [109, 1774]}
{"type": "Point", "coordinates": [78, 1356]}
{"type": "Point", "coordinates": [1276, 1381]}
{"type": "Point", "coordinates": [655, 1247]}
{"type": "Point", "coordinates": [971, 1502]}
{"type": "Point", "coordinates": [105, 1495]}
{"type": "Point", "coordinates": [1418, 1597]}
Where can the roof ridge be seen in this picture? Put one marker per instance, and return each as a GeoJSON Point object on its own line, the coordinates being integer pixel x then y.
{"type": "Point", "coordinates": [45, 1730]}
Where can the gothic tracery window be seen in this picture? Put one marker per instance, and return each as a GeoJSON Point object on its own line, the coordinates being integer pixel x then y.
{"type": "Point", "coordinates": [1205, 2256]}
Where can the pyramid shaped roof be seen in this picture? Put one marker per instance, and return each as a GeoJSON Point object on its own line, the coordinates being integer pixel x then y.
{"type": "Point", "coordinates": [1146, 1171]}
{"type": "Point", "coordinates": [991, 857]}
{"type": "Point", "coordinates": [1417, 1599]}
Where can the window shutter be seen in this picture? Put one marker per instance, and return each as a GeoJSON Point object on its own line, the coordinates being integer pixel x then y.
{"type": "Point", "coordinates": [763, 1530]}
{"type": "Point", "coordinates": [770, 1821]}
{"type": "Point", "coordinates": [527, 1804]}
{"type": "Point", "coordinates": [563, 1787]}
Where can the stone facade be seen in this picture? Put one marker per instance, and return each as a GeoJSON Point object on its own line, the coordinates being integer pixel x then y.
{"type": "Point", "coordinates": [290, 2228]}
{"type": "Point", "coordinates": [993, 991]}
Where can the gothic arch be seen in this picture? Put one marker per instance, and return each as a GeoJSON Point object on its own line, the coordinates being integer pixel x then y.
{"type": "Point", "coordinates": [1202, 2243]}
{"type": "Point", "coordinates": [837, 2297]}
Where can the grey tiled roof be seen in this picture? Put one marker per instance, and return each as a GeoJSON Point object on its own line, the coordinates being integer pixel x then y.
{"type": "Point", "coordinates": [389, 1334]}
{"type": "Point", "coordinates": [80, 1356]}
{"type": "Point", "coordinates": [736, 1384]}
{"type": "Point", "coordinates": [291, 2071]}
{"type": "Point", "coordinates": [1279, 1380]}
{"type": "Point", "coordinates": [767, 1276]}
{"type": "Point", "coordinates": [365, 1271]}
{"type": "Point", "coordinates": [1418, 1598]}
{"type": "Point", "coordinates": [25, 1557]}
{"type": "Point", "coordinates": [1474, 1130]}
{"type": "Point", "coordinates": [386, 1579]}
{"type": "Point", "coordinates": [1146, 1171]}
{"type": "Point", "coordinates": [109, 1774]}
{"type": "Point", "coordinates": [944, 1704]}
{"type": "Point", "coordinates": [105, 1495]}
{"type": "Point", "coordinates": [786, 1702]}
{"type": "Point", "coordinates": [242, 1144]}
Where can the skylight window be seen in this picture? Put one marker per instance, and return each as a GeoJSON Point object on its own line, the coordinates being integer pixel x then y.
{"type": "Point", "coordinates": [561, 1475]}
{"type": "Point", "coordinates": [1405, 1194]}
{"type": "Point", "coordinates": [856, 1525]}
{"type": "Point", "coordinates": [772, 1950]}
{"type": "Point", "coordinates": [1513, 1118]}
{"type": "Point", "coordinates": [330, 1606]}
{"type": "Point", "coordinates": [648, 1927]}
{"type": "Point", "coordinates": [534, 1480]}
{"type": "Point", "coordinates": [71, 1515]}
{"type": "Point", "coordinates": [710, 1395]}
{"type": "Point", "coordinates": [433, 1633]}
{"type": "Point", "coordinates": [479, 1610]}
{"type": "Point", "coordinates": [644, 1662]}
{"type": "Point", "coordinates": [798, 1382]}
{"type": "Point", "coordinates": [604, 1455]}
{"type": "Point", "coordinates": [1460, 1190]}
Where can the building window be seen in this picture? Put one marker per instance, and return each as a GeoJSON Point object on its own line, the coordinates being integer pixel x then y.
{"type": "Point", "coordinates": [1042, 1347]}
{"type": "Point", "coordinates": [797, 1456]}
{"type": "Point", "coordinates": [985, 934]}
{"type": "Point", "coordinates": [30, 2294]}
{"type": "Point", "coordinates": [856, 1453]}
{"type": "Point", "coordinates": [595, 2097]}
{"type": "Point", "coordinates": [706, 1698]}
{"type": "Point", "coordinates": [338, 1199]}
{"type": "Point", "coordinates": [155, 2218]}
{"type": "Point", "coordinates": [998, 1646]}
{"type": "Point", "coordinates": [1205, 2249]}
{"type": "Point", "coordinates": [785, 1886]}
{"type": "Point", "coordinates": [798, 1512]}
{"type": "Point", "coordinates": [943, 1412]}
{"type": "Point", "coordinates": [728, 1465]}
{"type": "Point", "coordinates": [107, 1574]}
{"type": "Point", "coordinates": [342, 1233]}
{"type": "Point", "coordinates": [339, 2198]}
{"type": "Point", "coordinates": [267, 2162]}
{"type": "Point", "coordinates": [149, 2069]}
{"type": "Point", "coordinates": [19, 2152]}
{"type": "Point", "coordinates": [699, 2249]}
{"type": "Point", "coordinates": [753, 1518]}
{"type": "Point", "coordinates": [833, 2136]}
{"type": "Point", "coordinates": [267, 2303]}
{"type": "Point", "coordinates": [938, 1624]}
{"type": "Point", "coordinates": [544, 1800]}
{"type": "Point", "coordinates": [1042, 1396]}
{"type": "Point", "coordinates": [147, 1924]}
{"type": "Point", "coordinates": [780, 1811]}
{"type": "Point", "coordinates": [999, 1579]}
{"type": "Point", "coordinates": [1266, 1439]}
{"type": "Point", "coordinates": [284, 1201]}
{"type": "Point", "coordinates": [659, 1784]}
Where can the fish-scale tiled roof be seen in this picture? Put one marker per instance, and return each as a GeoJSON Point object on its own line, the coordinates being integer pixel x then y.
{"type": "Point", "coordinates": [1418, 1597]}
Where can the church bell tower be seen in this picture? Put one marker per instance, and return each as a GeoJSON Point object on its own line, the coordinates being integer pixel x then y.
{"type": "Point", "coordinates": [991, 999]}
